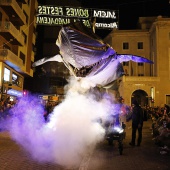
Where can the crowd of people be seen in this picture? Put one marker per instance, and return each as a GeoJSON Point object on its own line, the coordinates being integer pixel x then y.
{"type": "Point", "coordinates": [160, 126]}
{"type": "Point", "coordinates": [160, 117]}
{"type": "Point", "coordinates": [6, 105]}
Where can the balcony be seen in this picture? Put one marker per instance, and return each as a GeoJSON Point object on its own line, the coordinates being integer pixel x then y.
{"type": "Point", "coordinates": [13, 10]}
{"type": "Point", "coordinates": [11, 59]}
{"type": "Point", "coordinates": [11, 34]}
{"type": "Point", "coordinates": [29, 73]}
{"type": "Point", "coordinates": [140, 79]}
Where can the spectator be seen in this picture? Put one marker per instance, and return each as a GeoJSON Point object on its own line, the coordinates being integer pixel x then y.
{"type": "Point", "coordinates": [166, 109]}
{"type": "Point", "coordinates": [137, 123]}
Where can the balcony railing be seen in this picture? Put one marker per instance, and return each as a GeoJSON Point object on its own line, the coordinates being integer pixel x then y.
{"type": "Point", "coordinates": [11, 59]}
{"type": "Point", "coordinates": [8, 27]}
{"type": "Point", "coordinates": [140, 79]}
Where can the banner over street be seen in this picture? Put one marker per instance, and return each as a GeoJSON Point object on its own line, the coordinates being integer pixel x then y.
{"type": "Point", "coordinates": [62, 15]}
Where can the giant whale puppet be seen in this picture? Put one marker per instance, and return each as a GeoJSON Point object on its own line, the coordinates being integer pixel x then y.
{"type": "Point", "coordinates": [63, 139]}
{"type": "Point", "coordinates": [88, 57]}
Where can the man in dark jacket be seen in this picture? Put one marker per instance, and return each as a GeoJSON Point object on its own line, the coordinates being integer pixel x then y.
{"type": "Point", "coordinates": [137, 123]}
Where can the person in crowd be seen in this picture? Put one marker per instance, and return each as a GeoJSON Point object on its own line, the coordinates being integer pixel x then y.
{"type": "Point", "coordinates": [124, 110]}
{"type": "Point", "coordinates": [145, 113]}
{"type": "Point", "coordinates": [163, 138]}
{"type": "Point", "coordinates": [137, 123]}
{"type": "Point", "coordinates": [166, 110]}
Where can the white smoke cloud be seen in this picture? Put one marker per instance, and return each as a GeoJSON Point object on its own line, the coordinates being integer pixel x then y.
{"type": "Point", "coordinates": [71, 129]}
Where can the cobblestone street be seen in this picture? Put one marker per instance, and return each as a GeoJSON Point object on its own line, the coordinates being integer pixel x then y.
{"type": "Point", "coordinates": [103, 157]}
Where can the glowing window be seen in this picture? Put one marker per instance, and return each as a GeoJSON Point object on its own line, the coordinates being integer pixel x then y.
{"type": "Point", "coordinates": [6, 74]}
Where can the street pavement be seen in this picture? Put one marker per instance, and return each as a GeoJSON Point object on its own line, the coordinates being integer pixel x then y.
{"type": "Point", "coordinates": [145, 157]}
{"type": "Point", "coordinates": [101, 157]}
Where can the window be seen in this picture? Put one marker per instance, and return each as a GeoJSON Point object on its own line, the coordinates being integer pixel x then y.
{"type": "Point", "coordinates": [0, 17]}
{"type": "Point", "coordinates": [140, 64]}
{"type": "Point", "coordinates": [168, 99]}
{"type": "Point", "coordinates": [6, 74]}
{"type": "Point", "coordinates": [14, 79]}
{"type": "Point", "coordinates": [140, 69]}
{"type": "Point", "coordinates": [25, 37]}
{"type": "Point", "coordinates": [152, 93]}
{"type": "Point", "coordinates": [125, 45]}
{"type": "Point", "coordinates": [140, 45]}
{"type": "Point", "coordinates": [34, 48]}
{"type": "Point", "coordinates": [140, 75]}
{"type": "Point", "coordinates": [22, 57]}
{"type": "Point", "coordinates": [26, 16]}
{"type": "Point", "coordinates": [125, 63]}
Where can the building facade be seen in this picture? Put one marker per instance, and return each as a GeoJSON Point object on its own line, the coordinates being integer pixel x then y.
{"type": "Point", "coordinates": [17, 41]}
{"type": "Point", "coordinates": [148, 83]}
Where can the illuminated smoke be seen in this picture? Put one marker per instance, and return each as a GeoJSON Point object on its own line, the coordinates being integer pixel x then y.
{"type": "Point", "coordinates": [72, 127]}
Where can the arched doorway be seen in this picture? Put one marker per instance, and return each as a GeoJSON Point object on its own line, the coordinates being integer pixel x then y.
{"type": "Point", "coordinates": [141, 96]}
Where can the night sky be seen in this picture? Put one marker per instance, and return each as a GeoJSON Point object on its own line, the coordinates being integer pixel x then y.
{"type": "Point", "coordinates": [130, 10]}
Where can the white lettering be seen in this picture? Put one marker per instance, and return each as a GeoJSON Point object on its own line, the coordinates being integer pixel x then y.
{"type": "Point", "coordinates": [106, 25]}
{"type": "Point", "coordinates": [39, 10]}
{"type": "Point", "coordinates": [60, 10]}
{"type": "Point", "coordinates": [50, 10]}
{"type": "Point", "coordinates": [86, 23]}
{"type": "Point", "coordinates": [44, 10]}
{"type": "Point", "coordinates": [52, 21]}
{"type": "Point", "coordinates": [104, 14]}
{"type": "Point", "coordinates": [64, 15]}
{"type": "Point", "coordinates": [77, 12]}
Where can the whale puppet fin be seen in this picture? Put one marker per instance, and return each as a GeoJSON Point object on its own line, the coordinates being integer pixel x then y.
{"type": "Point", "coordinates": [57, 58]}
{"type": "Point", "coordinates": [128, 57]}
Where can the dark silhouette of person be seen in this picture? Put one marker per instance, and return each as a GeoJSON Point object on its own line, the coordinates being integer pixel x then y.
{"type": "Point", "coordinates": [137, 123]}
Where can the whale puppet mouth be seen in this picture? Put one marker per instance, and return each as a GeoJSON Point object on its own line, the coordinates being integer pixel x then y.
{"type": "Point", "coordinates": [91, 69]}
